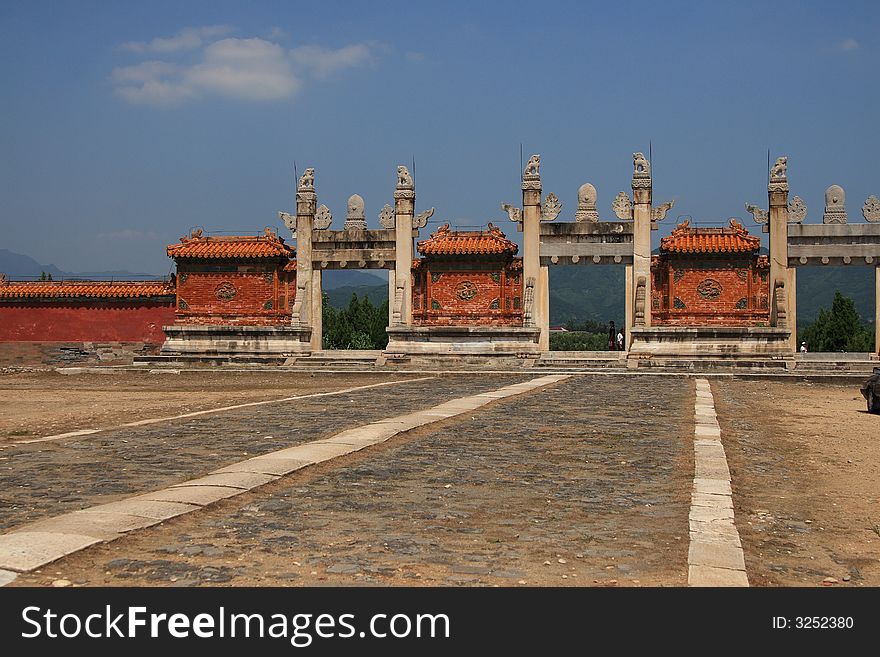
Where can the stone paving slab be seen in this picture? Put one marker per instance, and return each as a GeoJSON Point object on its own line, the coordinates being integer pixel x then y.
{"type": "Point", "coordinates": [241, 480]}
{"type": "Point", "coordinates": [712, 486]}
{"type": "Point", "coordinates": [23, 551]}
{"type": "Point", "coordinates": [85, 523]}
{"type": "Point", "coordinates": [715, 555]}
{"type": "Point", "coordinates": [7, 577]}
{"type": "Point", "coordinates": [711, 576]}
{"type": "Point", "coordinates": [266, 465]}
{"type": "Point", "coordinates": [139, 506]}
{"type": "Point", "coordinates": [199, 495]}
{"type": "Point", "coordinates": [314, 453]}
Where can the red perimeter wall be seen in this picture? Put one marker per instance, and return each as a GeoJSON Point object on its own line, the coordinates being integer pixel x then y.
{"type": "Point", "coordinates": [83, 321]}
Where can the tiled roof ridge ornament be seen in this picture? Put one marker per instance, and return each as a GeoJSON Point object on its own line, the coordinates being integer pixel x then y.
{"type": "Point", "coordinates": [586, 210]}
{"type": "Point", "coordinates": [495, 230]}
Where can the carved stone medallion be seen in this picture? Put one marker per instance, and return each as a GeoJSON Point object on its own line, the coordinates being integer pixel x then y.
{"type": "Point", "coordinates": [466, 290]}
{"type": "Point", "coordinates": [709, 289]}
{"type": "Point", "coordinates": [225, 291]}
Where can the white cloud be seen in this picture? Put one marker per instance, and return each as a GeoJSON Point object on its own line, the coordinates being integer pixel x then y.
{"type": "Point", "coordinates": [187, 39]}
{"type": "Point", "coordinates": [251, 69]}
{"type": "Point", "coordinates": [849, 44]}
{"type": "Point", "coordinates": [321, 62]}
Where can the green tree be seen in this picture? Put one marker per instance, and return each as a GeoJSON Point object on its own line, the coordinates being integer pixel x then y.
{"type": "Point", "coordinates": [360, 325]}
{"type": "Point", "coordinates": [838, 329]}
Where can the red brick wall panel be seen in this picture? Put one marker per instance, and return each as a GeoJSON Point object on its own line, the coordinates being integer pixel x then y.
{"type": "Point", "coordinates": [65, 320]}
{"type": "Point", "coordinates": [234, 297]}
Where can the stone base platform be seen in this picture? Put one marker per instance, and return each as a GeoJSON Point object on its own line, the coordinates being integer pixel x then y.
{"type": "Point", "coordinates": [471, 343]}
{"type": "Point", "coordinates": [235, 342]}
{"type": "Point", "coordinates": [710, 347]}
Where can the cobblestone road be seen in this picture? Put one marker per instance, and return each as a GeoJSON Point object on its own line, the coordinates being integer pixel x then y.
{"type": "Point", "coordinates": [45, 479]}
{"type": "Point", "coordinates": [583, 483]}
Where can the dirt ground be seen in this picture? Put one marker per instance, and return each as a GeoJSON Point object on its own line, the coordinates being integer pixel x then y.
{"type": "Point", "coordinates": [42, 403]}
{"type": "Point", "coordinates": [805, 466]}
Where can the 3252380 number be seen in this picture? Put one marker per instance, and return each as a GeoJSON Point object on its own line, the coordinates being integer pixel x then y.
{"type": "Point", "coordinates": [823, 622]}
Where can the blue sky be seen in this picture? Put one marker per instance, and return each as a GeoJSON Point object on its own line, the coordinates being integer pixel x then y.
{"type": "Point", "coordinates": [126, 124]}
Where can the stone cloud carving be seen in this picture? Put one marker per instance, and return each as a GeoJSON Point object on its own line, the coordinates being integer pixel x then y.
{"type": "Point", "coordinates": [623, 206]}
{"type": "Point", "coordinates": [871, 209]}
{"type": "Point", "coordinates": [288, 220]}
{"type": "Point", "coordinates": [551, 207]}
{"type": "Point", "coordinates": [421, 219]}
{"type": "Point", "coordinates": [513, 213]}
{"type": "Point", "coordinates": [797, 210]}
{"type": "Point", "coordinates": [386, 216]}
{"type": "Point", "coordinates": [323, 218]}
{"type": "Point", "coordinates": [658, 213]}
{"type": "Point", "coordinates": [760, 216]}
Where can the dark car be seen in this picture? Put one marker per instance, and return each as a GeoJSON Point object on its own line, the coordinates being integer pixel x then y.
{"type": "Point", "coordinates": [871, 391]}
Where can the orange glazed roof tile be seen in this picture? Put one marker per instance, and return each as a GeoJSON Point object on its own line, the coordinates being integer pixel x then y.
{"type": "Point", "coordinates": [460, 242]}
{"type": "Point", "coordinates": [237, 246]}
{"type": "Point", "coordinates": [91, 289]}
{"type": "Point", "coordinates": [734, 239]}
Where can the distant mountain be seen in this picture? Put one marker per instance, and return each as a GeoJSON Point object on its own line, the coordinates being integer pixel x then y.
{"type": "Point", "coordinates": [17, 265]}
{"type": "Point", "coordinates": [340, 296]}
{"type": "Point", "coordinates": [336, 278]}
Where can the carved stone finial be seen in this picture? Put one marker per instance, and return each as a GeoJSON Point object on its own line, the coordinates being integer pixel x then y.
{"type": "Point", "coordinates": [778, 179]}
{"type": "Point", "coordinates": [355, 218]}
{"type": "Point", "coordinates": [386, 216]}
{"type": "Point", "coordinates": [760, 216]}
{"type": "Point", "coordinates": [307, 181]}
{"type": "Point", "coordinates": [586, 204]}
{"type": "Point", "coordinates": [835, 205]}
{"type": "Point", "coordinates": [513, 213]}
{"type": "Point", "coordinates": [797, 210]}
{"type": "Point", "coordinates": [658, 213]}
{"type": "Point", "coordinates": [421, 219]}
{"type": "Point", "coordinates": [551, 207]}
{"type": "Point", "coordinates": [623, 206]}
{"type": "Point", "coordinates": [323, 218]}
{"type": "Point", "coordinates": [871, 209]}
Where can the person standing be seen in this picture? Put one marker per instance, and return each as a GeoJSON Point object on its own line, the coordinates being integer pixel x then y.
{"type": "Point", "coordinates": [620, 340]}
{"type": "Point", "coordinates": [612, 337]}
{"type": "Point", "coordinates": [803, 347]}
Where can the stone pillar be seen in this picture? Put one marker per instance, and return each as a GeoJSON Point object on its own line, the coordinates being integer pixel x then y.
{"type": "Point", "coordinates": [306, 202]}
{"type": "Point", "coordinates": [404, 211]}
{"type": "Point", "coordinates": [316, 312]}
{"type": "Point", "coordinates": [877, 310]}
{"type": "Point", "coordinates": [777, 190]}
{"type": "Point", "coordinates": [391, 297]}
{"type": "Point", "coordinates": [531, 223]}
{"type": "Point", "coordinates": [791, 297]}
{"type": "Point", "coordinates": [641, 187]}
{"type": "Point", "coordinates": [630, 303]}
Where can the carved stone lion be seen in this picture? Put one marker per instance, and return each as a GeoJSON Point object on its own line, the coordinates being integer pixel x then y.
{"type": "Point", "coordinates": [533, 168]}
{"type": "Point", "coordinates": [641, 164]}
{"type": "Point", "coordinates": [307, 180]}
{"type": "Point", "coordinates": [404, 180]}
{"type": "Point", "coordinates": [779, 168]}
